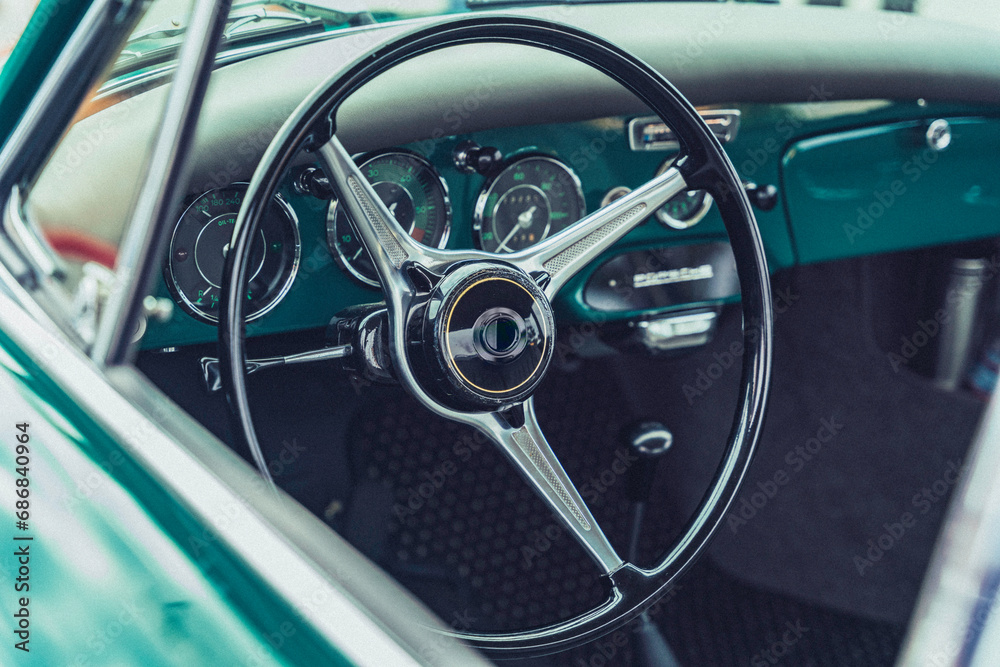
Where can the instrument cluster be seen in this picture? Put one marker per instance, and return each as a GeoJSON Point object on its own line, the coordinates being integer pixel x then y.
{"type": "Point", "coordinates": [522, 199]}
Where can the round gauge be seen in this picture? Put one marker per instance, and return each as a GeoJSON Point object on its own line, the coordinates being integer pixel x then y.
{"type": "Point", "coordinates": [686, 209]}
{"type": "Point", "coordinates": [413, 192]}
{"type": "Point", "coordinates": [531, 199]}
{"type": "Point", "coordinates": [200, 242]}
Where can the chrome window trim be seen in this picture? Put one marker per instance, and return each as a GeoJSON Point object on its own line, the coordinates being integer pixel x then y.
{"type": "Point", "coordinates": [48, 269]}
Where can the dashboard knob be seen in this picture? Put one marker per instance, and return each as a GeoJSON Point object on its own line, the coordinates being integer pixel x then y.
{"type": "Point", "coordinates": [312, 181]}
{"type": "Point", "coordinates": [938, 135]}
{"type": "Point", "coordinates": [470, 157]}
{"type": "Point", "coordinates": [764, 197]}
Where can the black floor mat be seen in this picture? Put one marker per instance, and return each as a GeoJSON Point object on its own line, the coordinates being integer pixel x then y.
{"type": "Point", "coordinates": [466, 534]}
{"type": "Point", "coordinates": [712, 619]}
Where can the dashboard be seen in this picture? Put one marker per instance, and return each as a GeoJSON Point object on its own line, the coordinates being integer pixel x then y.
{"type": "Point", "coordinates": [500, 191]}
{"type": "Point", "coordinates": [829, 141]}
{"type": "Point", "coordinates": [504, 189]}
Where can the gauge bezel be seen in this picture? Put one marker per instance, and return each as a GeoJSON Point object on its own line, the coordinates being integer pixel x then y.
{"type": "Point", "coordinates": [672, 222]}
{"type": "Point", "coordinates": [362, 159]}
{"type": "Point", "coordinates": [182, 300]}
{"type": "Point", "coordinates": [617, 192]}
{"type": "Point", "coordinates": [487, 189]}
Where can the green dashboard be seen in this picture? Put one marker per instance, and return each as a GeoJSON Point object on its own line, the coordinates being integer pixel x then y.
{"type": "Point", "coordinates": [853, 178]}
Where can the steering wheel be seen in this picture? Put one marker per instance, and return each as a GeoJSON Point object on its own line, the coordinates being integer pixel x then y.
{"type": "Point", "coordinates": [471, 334]}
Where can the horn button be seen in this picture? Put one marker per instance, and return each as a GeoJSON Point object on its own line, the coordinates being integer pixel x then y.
{"type": "Point", "coordinates": [492, 335]}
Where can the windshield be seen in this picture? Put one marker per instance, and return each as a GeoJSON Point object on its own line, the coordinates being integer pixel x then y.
{"type": "Point", "coordinates": [261, 24]}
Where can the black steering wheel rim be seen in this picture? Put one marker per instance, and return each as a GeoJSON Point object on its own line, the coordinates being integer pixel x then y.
{"type": "Point", "coordinates": [704, 166]}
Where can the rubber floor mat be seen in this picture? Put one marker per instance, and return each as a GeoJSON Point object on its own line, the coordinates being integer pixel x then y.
{"type": "Point", "coordinates": [461, 530]}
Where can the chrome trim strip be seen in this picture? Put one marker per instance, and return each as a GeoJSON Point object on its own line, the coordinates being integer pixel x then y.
{"type": "Point", "coordinates": [724, 124]}
{"type": "Point", "coordinates": [50, 296]}
{"type": "Point", "coordinates": [26, 234]}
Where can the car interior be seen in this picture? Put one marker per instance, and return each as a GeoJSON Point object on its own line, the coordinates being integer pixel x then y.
{"type": "Point", "coordinates": [866, 144]}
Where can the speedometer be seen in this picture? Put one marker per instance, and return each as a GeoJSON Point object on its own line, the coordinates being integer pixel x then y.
{"type": "Point", "coordinates": [531, 199]}
{"type": "Point", "coordinates": [200, 243]}
{"type": "Point", "coordinates": [413, 192]}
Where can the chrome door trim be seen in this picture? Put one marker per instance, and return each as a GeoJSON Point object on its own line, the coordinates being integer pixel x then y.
{"type": "Point", "coordinates": [955, 620]}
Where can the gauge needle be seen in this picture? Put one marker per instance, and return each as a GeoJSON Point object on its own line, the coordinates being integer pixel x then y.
{"type": "Point", "coordinates": [523, 221]}
{"type": "Point", "coordinates": [392, 208]}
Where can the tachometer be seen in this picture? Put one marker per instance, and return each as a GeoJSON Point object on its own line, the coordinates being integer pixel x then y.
{"type": "Point", "coordinates": [414, 193]}
{"type": "Point", "coordinates": [532, 198]}
{"type": "Point", "coordinates": [200, 242]}
{"type": "Point", "coordinates": [686, 209]}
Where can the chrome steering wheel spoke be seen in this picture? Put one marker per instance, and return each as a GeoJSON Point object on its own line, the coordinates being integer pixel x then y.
{"type": "Point", "coordinates": [529, 451]}
{"type": "Point", "coordinates": [392, 250]}
{"type": "Point", "coordinates": [564, 254]}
